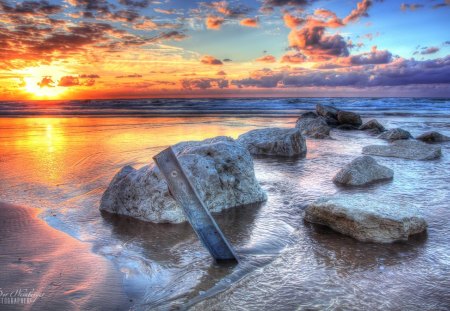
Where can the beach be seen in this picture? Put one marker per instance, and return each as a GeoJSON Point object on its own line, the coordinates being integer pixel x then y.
{"type": "Point", "coordinates": [45, 269]}
{"type": "Point", "coordinates": [58, 162]}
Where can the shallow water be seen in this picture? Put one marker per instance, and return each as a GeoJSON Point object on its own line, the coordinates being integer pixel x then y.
{"type": "Point", "coordinates": [63, 164]}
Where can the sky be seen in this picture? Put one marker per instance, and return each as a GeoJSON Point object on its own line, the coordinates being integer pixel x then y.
{"type": "Point", "coordinates": [87, 49]}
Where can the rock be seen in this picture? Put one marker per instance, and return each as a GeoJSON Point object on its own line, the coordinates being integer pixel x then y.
{"type": "Point", "coordinates": [308, 114]}
{"type": "Point", "coordinates": [433, 137]}
{"type": "Point", "coordinates": [220, 169]}
{"type": "Point", "coordinates": [395, 134]}
{"type": "Point", "coordinates": [373, 126]}
{"type": "Point", "coordinates": [347, 127]}
{"type": "Point", "coordinates": [406, 149]}
{"type": "Point", "coordinates": [327, 111]}
{"type": "Point", "coordinates": [347, 117]}
{"type": "Point", "coordinates": [274, 141]}
{"type": "Point", "coordinates": [313, 127]}
{"type": "Point", "coordinates": [366, 218]}
{"type": "Point", "coordinates": [362, 171]}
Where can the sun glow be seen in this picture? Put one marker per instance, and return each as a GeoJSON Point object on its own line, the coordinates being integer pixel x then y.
{"type": "Point", "coordinates": [35, 76]}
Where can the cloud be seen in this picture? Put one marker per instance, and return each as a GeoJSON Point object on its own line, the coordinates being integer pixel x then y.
{"type": "Point", "coordinates": [134, 75]}
{"type": "Point", "coordinates": [373, 57]}
{"type": "Point", "coordinates": [210, 60]}
{"type": "Point", "coordinates": [204, 83]}
{"type": "Point", "coordinates": [68, 81]}
{"type": "Point", "coordinates": [430, 50]}
{"type": "Point", "coordinates": [313, 41]}
{"type": "Point", "coordinates": [278, 3]}
{"type": "Point", "coordinates": [361, 10]}
{"type": "Point", "coordinates": [412, 7]}
{"type": "Point", "coordinates": [214, 22]}
{"type": "Point", "coordinates": [249, 22]}
{"type": "Point", "coordinates": [31, 8]}
{"type": "Point", "coordinates": [400, 72]}
{"type": "Point", "coordinates": [315, 44]}
{"type": "Point", "coordinates": [267, 59]}
{"type": "Point", "coordinates": [46, 82]}
{"type": "Point", "coordinates": [291, 21]}
{"type": "Point", "coordinates": [89, 76]}
{"type": "Point", "coordinates": [227, 60]}
{"type": "Point", "coordinates": [230, 11]}
{"type": "Point", "coordinates": [221, 73]}
{"type": "Point", "coordinates": [137, 4]}
{"type": "Point", "coordinates": [293, 58]}
{"type": "Point", "coordinates": [442, 5]}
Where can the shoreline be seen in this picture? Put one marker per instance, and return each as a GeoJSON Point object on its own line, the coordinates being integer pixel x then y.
{"type": "Point", "coordinates": [50, 269]}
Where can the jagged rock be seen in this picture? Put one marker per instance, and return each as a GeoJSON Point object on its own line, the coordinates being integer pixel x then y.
{"type": "Point", "coordinates": [362, 171]}
{"type": "Point", "coordinates": [433, 137]}
{"type": "Point", "coordinates": [313, 127]}
{"type": "Point", "coordinates": [373, 126]}
{"type": "Point", "coordinates": [366, 218]}
{"type": "Point", "coordinates": [406, 149]}
{"type": "Point", "coordinates": [274, 141]}
{"type": "Point", "coordinates": [395, 134]}
{"type": "Point", "coordinates": [348, 117]}
{"type": "Point", "coordinates": [220, 169]}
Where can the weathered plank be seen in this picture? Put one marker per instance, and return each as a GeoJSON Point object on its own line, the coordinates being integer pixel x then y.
{"type": "Point", "coordinates": [196, 212]}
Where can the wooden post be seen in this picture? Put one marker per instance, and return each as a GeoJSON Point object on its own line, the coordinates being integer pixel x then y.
{"type": "Point", "coordinates": [195, 210]}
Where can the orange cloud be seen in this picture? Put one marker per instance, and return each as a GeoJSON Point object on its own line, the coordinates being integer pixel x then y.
{"type": "Point", "coordinates": [214, 22]}
{"type": "Point", "coordinates": [295, 58]}
{"type": "Point", "coordinates": [210, 60]}
{"type": "Point", "coordinates": [267, 59]}
{"type": "Point", "coordinates": [250, 22]}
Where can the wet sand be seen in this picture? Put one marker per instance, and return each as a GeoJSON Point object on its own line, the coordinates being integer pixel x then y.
{"type": "Point", "coordinates": [50, 269]}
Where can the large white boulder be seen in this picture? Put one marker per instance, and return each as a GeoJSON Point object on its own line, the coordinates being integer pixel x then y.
{"type": "Point", "coordinates": [365, 218]}
{"type": "Point", "coordinates": [220, 169]}
{"type": "Point", "coordinates": [286, 142]}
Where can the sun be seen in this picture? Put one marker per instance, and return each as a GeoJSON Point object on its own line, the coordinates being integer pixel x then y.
{"type": "Point", "coordinates": [41, 82]}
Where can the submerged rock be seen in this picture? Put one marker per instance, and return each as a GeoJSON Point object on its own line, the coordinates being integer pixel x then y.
{"type": "Point", "coordinates": [373, 126]}
{"type": "Point", "coordinates": [313, 127]}
{"type": "Point", "coordinates": [395, 134]}
{"type": "Point", "coordinates": [366, 218]}
{"type": "Point", "coordinates": [362, 171]}
{"type": "Point", "coordinates": [347, 127]}
{"type": "Point", "coordinates": [406, 149]}
{"type": "Point", "coordinates": [348, 117]}
{"type": "Point", "coordinates": [220, 169]}
{"type": "Point", "coordinates": [286, 142]}
{"type": "Point", "coordinates": [433, 137]}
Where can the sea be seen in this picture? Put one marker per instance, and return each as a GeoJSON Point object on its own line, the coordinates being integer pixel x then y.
{"type": "Point", "coordinates": [60, 156]}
